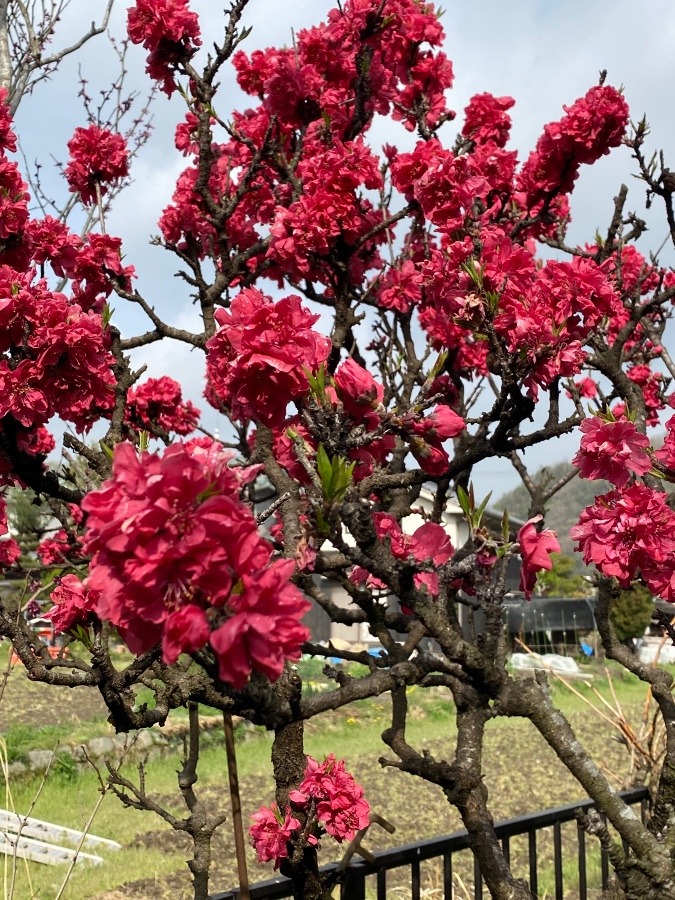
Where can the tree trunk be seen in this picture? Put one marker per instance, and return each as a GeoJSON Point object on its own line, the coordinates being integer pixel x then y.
{"type": "Point", "coordinates": [289, 762]}
{"type": "Point", "coordinates": [471, 798]}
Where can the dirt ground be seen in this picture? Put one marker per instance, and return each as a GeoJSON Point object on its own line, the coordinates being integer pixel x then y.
{"type": "Point", "coordinates": [28, 703]}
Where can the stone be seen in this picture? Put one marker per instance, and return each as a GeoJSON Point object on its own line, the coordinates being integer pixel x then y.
{"type": "Point", "coordinates": [39, 760]}
{"type": "Point", "coordinates": [16, 769]}
{"type": "Point", "coordinates": [100, 746]}
{"type": "Point", "coordinates": [122, 742]}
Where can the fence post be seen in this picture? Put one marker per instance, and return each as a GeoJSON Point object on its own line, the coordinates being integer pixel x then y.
{"type": "Point", "coordinates": [353, 886]}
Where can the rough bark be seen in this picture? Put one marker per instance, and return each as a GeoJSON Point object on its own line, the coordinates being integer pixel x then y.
{"type": "Point", "coordinates": [288, 762]}
{"type": "Point", "coordinates": [647, 870]}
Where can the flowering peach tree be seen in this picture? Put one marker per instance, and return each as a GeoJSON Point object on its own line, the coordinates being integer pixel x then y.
{"type": "Point", "coordinates": [358, 304]}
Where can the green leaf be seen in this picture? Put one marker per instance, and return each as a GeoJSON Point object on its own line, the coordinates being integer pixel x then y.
{"type": "Point", "coordinates": [481, 509]}
{"type": "Point", "coordinates": [317, 383]}
{"type": "Point", "coordinates": [492, 298]}
{"type": "Point", "coordinates": [335, 475]}
{"type": "Point", "coordinates": [323, 467]}
{"type": "Point", "coordinates": [81, 634]}
{"type": "Point", "coordinates": [470, 268]}
{"type": "Point", "coordinates": [321, 523]}
{"type": "Point", "coordinates": [463, 500]}
{"type": "Point", "coordinates": [506, 525]}
{"type": "Point", "coordinates": [438, 365]}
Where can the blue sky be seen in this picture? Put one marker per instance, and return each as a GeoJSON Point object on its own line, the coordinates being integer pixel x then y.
{"type": "Point", "coordinates": [541, 52]}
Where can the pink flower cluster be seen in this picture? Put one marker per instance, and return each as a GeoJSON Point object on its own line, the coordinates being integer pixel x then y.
{"type": "Point", "coordinates": [61, 547]}
{"type": "Point", "coordinates": [429, 546]}
{"type": "Point", "coordinates": [159, 402]}
{"type": "Point", "coordinates": [66, 367]}
{"type": "Point", "coordinates": [73, 604]}
{"type": "Point", "coordinates": [357, 390]}
{"type": "Point", "coordinates": [548, 324]}
{"type": "Point", "coordinates": [97, 158]}
{"type": "Point", "coordinates": [543, 314]}
{"type": "Point", "coordinates": [169, 30]}
{"type": "Point", "coordinates": [177, 558]}
{"type": "Point", "coordinates": [360, 396]}
{"type": "Point", "coordinates": [629, 532]}
{"type": "Point", "coordinates": [13, 206]}
{"type": "Point", "coordinates": [592, 125]}
{"type": "Point", "coordinates": [612, 450]}
{"type": "Point", "coordinates": [313, 88]}
{"type": "Point", "coordinates": [428, 435]}
{"type": "Point", "coordinates": [328, 795]}
{"type": "Point", "coordinates": [339, 804]}
{"type": "Point", "coordinates": [535, 549]}
{"type": "Point", "coordinates": [449, 187]}
{"type": "Point", "coordinates": [7, 136]}
{"type": "Point", "coordinates": [486, 119]}
{"type": "Point", "coordinates": [260, 357]}
{"type": "Point", "coordinates": [317, 75]}
{"type": "Point", "coordinates": [666, 452]}
{"type": "Point", "coordinates": [330, 213]}
{"type": "Point", "coordinates": [54, 350]}
{"type": "Point", "coordinates": [271, 833]}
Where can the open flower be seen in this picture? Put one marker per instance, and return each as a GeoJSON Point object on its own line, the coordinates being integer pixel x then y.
{"type": "Point", "coordinates": [97, 157]}
{"type": "Point", "coordinates": [535, 549]}
{"type": "Point", "coordinates": [612, 450]}
{"type": "Point", "coordinates": [271, 832]}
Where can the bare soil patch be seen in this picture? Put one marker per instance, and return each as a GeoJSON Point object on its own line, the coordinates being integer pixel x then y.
{"type": "Point", "coordinates": [25, 702]}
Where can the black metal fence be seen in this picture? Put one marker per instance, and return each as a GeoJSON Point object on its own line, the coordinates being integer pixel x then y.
{"type": "Point", "coordinates": [546, 847]}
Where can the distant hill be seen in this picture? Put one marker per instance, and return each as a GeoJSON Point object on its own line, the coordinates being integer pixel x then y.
{"type": "Point", "coordinates": [563, 508]}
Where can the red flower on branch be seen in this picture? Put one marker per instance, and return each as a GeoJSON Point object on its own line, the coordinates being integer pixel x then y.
{"type": "Point", "coordinates": [73, 604]}
{"type": "Point", "coordinates": [177, 558]}
{"type": "Point", "coordinates": [159, 401]}
{"type": "Point", "coordinates": [169, 30]}
{"type": "Point", "coordinates": [97, 158]}
{"type": "Point", "coordinates": [612, 450]}
{"type": "Point", "coordinates": [259, 359]}
{"type": "Point", "coordinates": [535, 549]}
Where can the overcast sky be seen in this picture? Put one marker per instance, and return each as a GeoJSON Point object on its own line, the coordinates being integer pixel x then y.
{"type": "Point", "coordinates": [543, 53]}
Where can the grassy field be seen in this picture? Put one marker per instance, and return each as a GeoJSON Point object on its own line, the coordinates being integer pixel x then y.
{"type": "Point", "coordinates": [522, 775]}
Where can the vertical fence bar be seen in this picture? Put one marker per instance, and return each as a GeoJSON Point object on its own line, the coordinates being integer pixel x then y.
{"type": "Point", "coordinates": [477, 881]}
{"type": "Point", "coordinates": [506, 849]}
{"type": "Point", "coordinates": [447, 876]}
{"type": "Point", "coordinates": [532, 854]}
{"type": "Point", "coordinates": [382, 884]}
{"type": "Point", "coordinates": [415, 874]}
{"type": "Point", "coordinates": [557, 860]}
{"type": "Point", "coordinates": [354, 886]}
{"type": "Point", "coordinates": [581, 843]}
